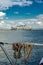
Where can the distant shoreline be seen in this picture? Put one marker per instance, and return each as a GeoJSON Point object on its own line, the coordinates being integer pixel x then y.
{"type": "Point", "coordinates": [22, 29]}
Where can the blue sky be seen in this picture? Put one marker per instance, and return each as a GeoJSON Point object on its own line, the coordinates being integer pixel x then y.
{"type": "Point", "coordinates": [20, 12]}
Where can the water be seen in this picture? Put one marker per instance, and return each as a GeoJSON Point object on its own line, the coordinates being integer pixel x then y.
{"type": "Point", "coordinates": [22, 36]}
{"type": "Point", "coordinates": [35, 36]}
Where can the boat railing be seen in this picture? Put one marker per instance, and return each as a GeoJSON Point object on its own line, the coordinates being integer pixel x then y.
{"type": "Point", "coordinates": [17, 48]}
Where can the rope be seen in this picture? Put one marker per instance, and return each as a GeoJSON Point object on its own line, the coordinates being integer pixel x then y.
{"type": "Point", "coordinates": [28, 43]}
{"type": "Point", "coordinates": [18, 47]}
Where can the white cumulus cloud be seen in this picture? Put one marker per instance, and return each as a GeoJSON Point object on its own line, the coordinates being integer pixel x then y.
{"type": "Point", "coordinates": [40, 17]}
{"type": "Point", "coordinates": [21, 23]}
{"type": "Point", "coordinates": [36, 22]}
{"type": "Point", "coordinates": [2, 14]}
{"type": "Point", "coordinates": [5, 4]}
{"type": "Point", "coordinates": [39, 23]}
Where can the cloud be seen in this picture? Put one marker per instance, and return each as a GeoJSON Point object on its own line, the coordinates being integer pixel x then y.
{"type": "Point", "coordinates": [39, 1]}
{"type": "Point", "coordinates": [3, 24]}
{"type": "Point", "coordinates": [39, 23]}
{"type": "Point", "coordinates": [21, 23]}
{"type": "Point", "coordinates": [2, 14]}
{"type": "Point", "coordinates": [40, 17]}
{"type": "Point", "coordinates": [16, 12]}
{"type": "Point", "coordinates": [5, 4]}
{"type": "Point", "coordinates": [36, 22]}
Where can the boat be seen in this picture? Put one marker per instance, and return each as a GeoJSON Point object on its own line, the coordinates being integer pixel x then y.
{"type": "Point", "coordinates": [17, 49]}
{"type": "Point", "coordinates": [12, 28]}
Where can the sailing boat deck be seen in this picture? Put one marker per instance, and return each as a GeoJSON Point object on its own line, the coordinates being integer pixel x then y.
{"type": "Point", "coordinates": [28, 51]}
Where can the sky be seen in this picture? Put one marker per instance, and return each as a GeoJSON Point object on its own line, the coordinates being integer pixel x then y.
{"type": "Point", "coordinates": [21, 12]}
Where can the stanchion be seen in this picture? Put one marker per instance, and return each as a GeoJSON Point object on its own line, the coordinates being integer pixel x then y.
{"type": "Point", "coordinates": [5, 52]}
